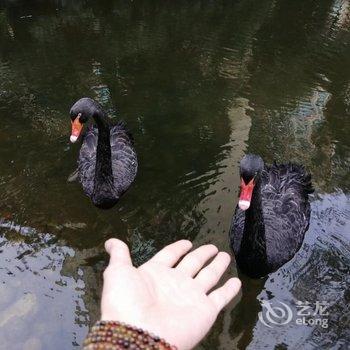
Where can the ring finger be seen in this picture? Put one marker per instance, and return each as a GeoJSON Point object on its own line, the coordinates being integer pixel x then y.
{"type": "Point", "coordinates": [211, 274]}
{"type": "Point", "coordinates": [195, 260]}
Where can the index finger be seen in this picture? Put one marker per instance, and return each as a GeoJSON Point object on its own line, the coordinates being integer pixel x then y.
{"type": "Point", "coordinates": [171, 254]}
{"type": "Point", "coordinates": [118, 251]}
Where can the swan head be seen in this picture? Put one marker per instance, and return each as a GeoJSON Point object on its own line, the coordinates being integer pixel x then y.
{"type": "Point", "coordinates": [250, 168]}
{"type": "Point", "coordinates": [80, 113]}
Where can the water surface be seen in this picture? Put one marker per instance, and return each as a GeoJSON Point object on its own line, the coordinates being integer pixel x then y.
{"type": "Point", "coordinates": [199, 84]}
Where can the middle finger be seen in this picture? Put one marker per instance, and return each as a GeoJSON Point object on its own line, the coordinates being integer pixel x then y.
{"type": "Point", "coordinates": [195, 260]}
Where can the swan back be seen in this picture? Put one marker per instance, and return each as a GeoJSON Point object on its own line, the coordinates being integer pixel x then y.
{"type": "Point", "coordinates": [286, 210]}
{"type": "Point", "coordinates": [124, 159]}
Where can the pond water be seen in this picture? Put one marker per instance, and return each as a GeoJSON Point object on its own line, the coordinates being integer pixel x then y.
{"type": "Point", "coordinates": [199, 84]}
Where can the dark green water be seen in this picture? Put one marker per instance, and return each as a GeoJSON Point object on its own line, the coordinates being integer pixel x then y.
{"type": "Point", "coordinates": [199, 83]}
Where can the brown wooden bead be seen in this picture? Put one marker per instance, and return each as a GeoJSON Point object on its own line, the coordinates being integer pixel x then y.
{"type": "Point", "coordinates": [112, 335]}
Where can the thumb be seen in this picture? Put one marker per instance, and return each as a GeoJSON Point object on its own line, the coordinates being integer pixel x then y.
{"type": "Point", "coordinates": [118, 251]}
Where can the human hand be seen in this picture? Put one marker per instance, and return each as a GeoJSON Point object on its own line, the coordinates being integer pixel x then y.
{"type": "Point", "coordinates": [173, 303]}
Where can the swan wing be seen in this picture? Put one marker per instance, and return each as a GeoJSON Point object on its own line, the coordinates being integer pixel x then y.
{"type": "Point", "coordinates": [124, 158]}
{"type": "Point", "coordinates": [286, 211]}
{"type": "Point", "coordinates": [87, 161]}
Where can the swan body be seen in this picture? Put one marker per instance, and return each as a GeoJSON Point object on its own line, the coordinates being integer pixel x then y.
{"type": "Point", "coordinates": [107, 163]}
{"type": "Point", "coordinates": [269, 232]}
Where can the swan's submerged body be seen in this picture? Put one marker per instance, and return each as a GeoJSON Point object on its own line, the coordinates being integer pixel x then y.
{"type": "Point", "coordinates": [107, 163]}
{"type": "Point", "coordinates": [269, 233]}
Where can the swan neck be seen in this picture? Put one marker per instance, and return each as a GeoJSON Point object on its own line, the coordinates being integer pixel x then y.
{"type": "Point", "coordinates": [254, 230]}
{"type": "Point", "coordinates": [256, 206]}
{"type": "Point", "coordinates": [101, 120]}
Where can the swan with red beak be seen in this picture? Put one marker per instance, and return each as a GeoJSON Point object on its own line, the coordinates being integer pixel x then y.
{"type": "Point", "coordinates": [107, 163]}
{"type": "Point", "coordinates": [272, 214]}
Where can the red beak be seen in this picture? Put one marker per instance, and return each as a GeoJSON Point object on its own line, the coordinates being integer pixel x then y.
{"type": "Point", "coordinates": [76, 129]}
{"type": "Point", "coordinates": [245, 196]}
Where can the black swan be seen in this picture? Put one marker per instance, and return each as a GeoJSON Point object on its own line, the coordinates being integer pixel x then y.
{"type": "Point", "coordinates": [272, 215]}
{"type": "Point", "coordinates": [107, 163]}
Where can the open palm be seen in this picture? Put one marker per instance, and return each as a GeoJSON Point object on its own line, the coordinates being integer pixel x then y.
{"type": "Point", "coordinates": [171, 302]}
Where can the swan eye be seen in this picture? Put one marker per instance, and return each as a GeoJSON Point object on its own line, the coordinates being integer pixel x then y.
{"type": "Point", "coordinates": [82, 118]}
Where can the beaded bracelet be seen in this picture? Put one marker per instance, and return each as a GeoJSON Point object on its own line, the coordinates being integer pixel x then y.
{"type": "Point", "coordinates": [112, 335]}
